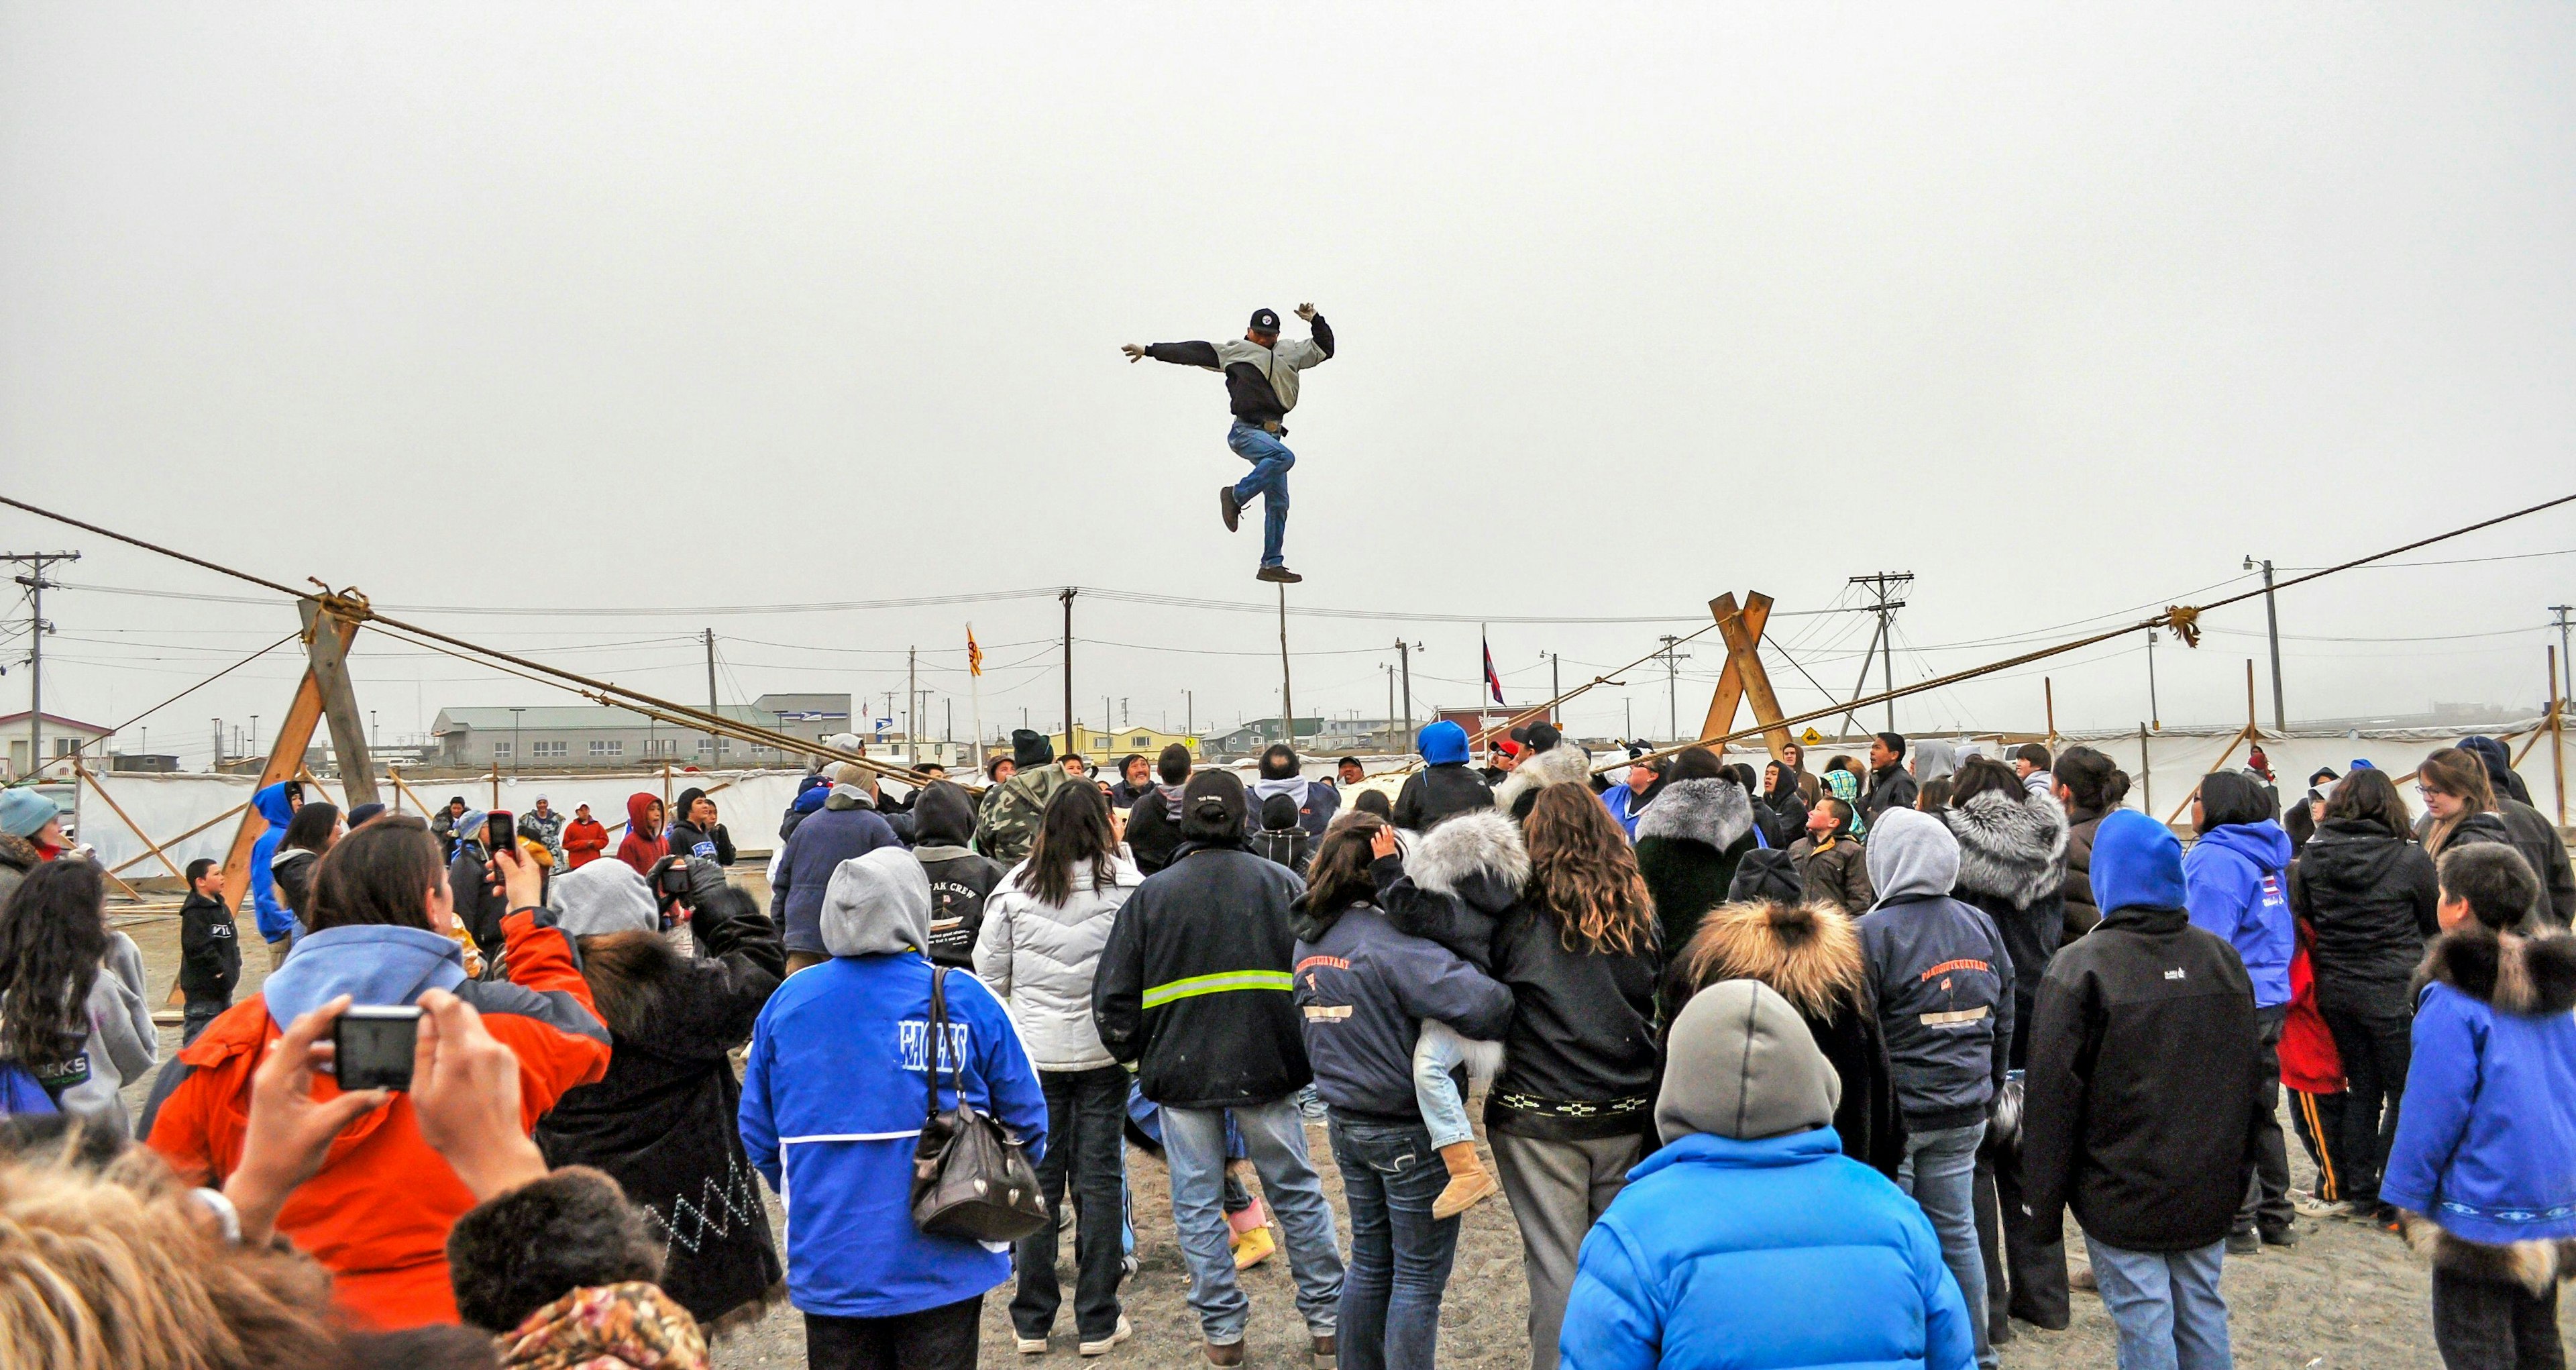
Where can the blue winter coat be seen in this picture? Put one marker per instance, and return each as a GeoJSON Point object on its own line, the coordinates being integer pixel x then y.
{"type": "Point", "coordinates": [821, 842]}
{"type": "Point", "coordinates": [1622, 804]}
{"type": "Point", "coordinates": [833, 1097]}
{"type": "Point", "coordinates": [1777, 1253]}
{"type": "Point", "coordinates": [275, 919]}
{"type": "Point", "coordinates": [2233, 886]}
{"type": "Point", "coordinates": [2486, 1136]}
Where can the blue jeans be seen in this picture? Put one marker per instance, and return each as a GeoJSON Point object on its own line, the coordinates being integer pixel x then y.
{"type": "Point", "coordinates": [1274, 1134]}
{"type": "Point", "coordinates": [1400, 1258]}
{"type": "Point", "coordinates": [1270, 460]}
{"type": "Point", "coordinates": [1940, 1171]}
{"type": "Point", "coordinates": [2166, 1306]}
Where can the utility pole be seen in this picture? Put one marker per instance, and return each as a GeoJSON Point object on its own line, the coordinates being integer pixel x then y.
{"type": "Point", "coordinates": [2272, 630]}
{"type": "Point", "coordinates": [1404, 655]}
{"type": "Point", "coordinates": [1067, 597]}
{"type": "Point", "coordinates": [37, 627]}
{"type": "Point", "coordinates": [1390, 701]}
{"type": "Point", "coordinates": [1672, 686]}
{"type": "Point", "coordinates": [2567, 669]}
{"type": "Point", "coordinates": [515, 751]}
{"type": "Point", "coordinates": [1287, 699]}
{"type": "Point", "coordinates": [218, 767]}
{"type": "Point", "coordinates": [1555, 687]}
{"type": "Point", "coordinates": [1189, 713]}
{"type": "Point", "coordinates": [710, 636]}
{"type": "Point", "coordinates": [2155, 715]}
{"type": "Point", "coordinates": [1885, 584]}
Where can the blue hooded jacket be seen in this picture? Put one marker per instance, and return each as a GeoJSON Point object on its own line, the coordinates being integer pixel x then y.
{"type": "Point", "coordinates": [2486, 1136]}
{"type": "Point", "coordinates": [2233, 886]}
{"type": "Point", "coordinates": [1778, 1252]}
{"type": "Point", "coordinates": [1442, 744]}
{"type": "Point", "coordinates": [275, 919]}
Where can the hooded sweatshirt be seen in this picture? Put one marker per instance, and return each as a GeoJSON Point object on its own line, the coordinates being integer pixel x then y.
{"type": "Point", "coordinates": [2236, 889]}
{"type": "Point", "coordinates": [273, 918]}
{"type": "Point", "coordinates": [1941, 974]}
{"type": "Point", "coordinates": [1726, 1243]}
{"type": "Point", "coordinates": [845, 828]}
{"type": "Point", "coordinates": [585, 840]}
{"type": "Point", "coordinates": [943, 824]}
{"type": "Point", "coordinates": [838, 1082]}
{"type": "Point", "coordinates": [636, 849]}
{"type": "Point", "coordinates": [1193, 986]}
{"type": "Point", "coordinates": [378, 1214]}
{"type": "Point", "coordinates": [2145, 1091]}
{"type": "Point", "coordinates": [117, 1046]}
{"type": "Point", "coordinates": [1446, 785]}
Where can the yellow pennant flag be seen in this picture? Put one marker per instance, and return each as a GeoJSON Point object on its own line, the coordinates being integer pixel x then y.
{"type": "Point", "coordinates": [974, 654]}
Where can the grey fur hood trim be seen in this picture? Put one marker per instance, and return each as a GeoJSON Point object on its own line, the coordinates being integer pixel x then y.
{"type": "Point", "coordinates": [2010, 846]}
{"type": "Point", "coordinates": [1713, 810]}
{"type": "Point", "coordinates": [1481, 842]}
{"type": "Point", "coordinates": [1562, 764]}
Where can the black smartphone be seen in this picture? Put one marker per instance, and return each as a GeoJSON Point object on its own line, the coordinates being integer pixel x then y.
{"type": "Point", "coordinates": [499, 832]}
{"type": "Point", "coordinates": [372, 1045]}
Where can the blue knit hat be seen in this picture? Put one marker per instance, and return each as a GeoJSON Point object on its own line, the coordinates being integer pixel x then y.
{"type": "Point", "coordinates": [1443, 744]}
{"type": "Point", "coordinates": [2137, 862]}
{"type": "Point", "coordinates": [22, 811]}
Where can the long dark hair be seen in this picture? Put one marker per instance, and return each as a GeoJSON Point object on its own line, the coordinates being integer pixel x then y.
{"type": "Point", "coordinates": [1584, 874]}
{"type": "Point", "coordinates": [1984, 775]}
{"type": "Point", "coordinates": [382, 873]}
{"type": "Point", "coordinates": [1339, 875]}
{"type": "Point", "coordinates": [2095, 783]}
{"type": "Point", "coordinates": [2369, 795]}
{"type": "Point", "coordinates": [53, 935]}
{"type": "Point", "coordinates": [1074, 829]}
{"type": "Point", "coordinates": [311, 827]}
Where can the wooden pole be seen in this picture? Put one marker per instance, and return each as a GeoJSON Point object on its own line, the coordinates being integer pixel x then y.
{"type": "Point", "coordinates": [285, 758]}
{"type": "Point", "coordinates": [1287, 694]}
{"type": "Point", "coordinates": [2146, 774]}
{"type": "Point", "coordinates": [1744, 661]}
{"type": "Point", "coordinates": [2048, 697]}
{"type": "Point", "coordinates": [401, 789]}
{"type": "Point", "coordinates": [81, 773]}
{"type": "Point", "coordinates": [1756, 615]}
{"type": "Point", "coordinates": [2249, 701]}
{"type": "Point", "coordinates": [2557, 738]}
{"type": "Point", "coordinates": [2244, 734]}
{"type": "Point", "coordinates": [232, 812]}
{"type": "Point", "coordinates": [327, 657]}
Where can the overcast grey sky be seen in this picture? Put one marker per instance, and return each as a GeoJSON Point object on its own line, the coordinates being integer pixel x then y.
{"type": "Point", "coordinates": [2063, 309]}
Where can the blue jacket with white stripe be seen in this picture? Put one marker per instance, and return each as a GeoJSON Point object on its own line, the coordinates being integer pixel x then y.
{"type": "Point", "coordinates": [833, 1098]}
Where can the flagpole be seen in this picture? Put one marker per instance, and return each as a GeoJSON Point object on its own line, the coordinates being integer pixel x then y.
{"type": "Point", "coordinates": [975, 694]}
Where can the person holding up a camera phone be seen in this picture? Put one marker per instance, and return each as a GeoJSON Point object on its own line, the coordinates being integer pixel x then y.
{"type": "Point", "coordinates": [378, 1211]}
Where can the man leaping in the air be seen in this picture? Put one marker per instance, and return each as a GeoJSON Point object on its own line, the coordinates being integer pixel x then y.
{"type": "Point", "coordinates": [1261, 384]}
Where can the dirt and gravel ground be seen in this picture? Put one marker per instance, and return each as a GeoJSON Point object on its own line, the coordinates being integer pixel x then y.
{"type": "Point", "coordinates": [2347, 1298]}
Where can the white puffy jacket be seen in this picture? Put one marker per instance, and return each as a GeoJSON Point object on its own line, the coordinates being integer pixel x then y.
{"type": "Point", "coordinates": [1040, 958]}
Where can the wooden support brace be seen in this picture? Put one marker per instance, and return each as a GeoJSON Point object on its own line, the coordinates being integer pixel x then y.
{"type": "Point", "coordinates": [1743, 634]}
{"type": "Point", "coordinates": [1756, 615]}
{"type": "Point", "coordinates": [2242, 734]}
{"type": "Point", "coordinates": [285, 758]}
{"type": "Point", "coordinates": [84, 773]}
{"type": "Point", "coordinates": [328, 652]}
{"type": "Point", "coordinates": [225, 816]}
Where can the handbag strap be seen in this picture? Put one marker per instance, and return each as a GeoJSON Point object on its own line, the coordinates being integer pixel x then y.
{"type": "Point", "coordinates": [939, 1042]}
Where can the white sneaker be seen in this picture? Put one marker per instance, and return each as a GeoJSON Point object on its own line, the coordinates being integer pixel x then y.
{"type": "Point", "coordinates": [2310, 1206]}
{"type": "Point", "coordinates": [1101, 1348]}
{"type": "Point", "coordinates": [1033, 1346]}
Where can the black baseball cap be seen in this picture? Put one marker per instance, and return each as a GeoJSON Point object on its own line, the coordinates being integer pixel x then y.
{"type": "Point", "coordinates": [1266, 320]}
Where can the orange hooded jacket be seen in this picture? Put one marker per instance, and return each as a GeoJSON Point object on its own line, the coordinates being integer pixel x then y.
{"type": "Point", "coordinates": [378, 1215]}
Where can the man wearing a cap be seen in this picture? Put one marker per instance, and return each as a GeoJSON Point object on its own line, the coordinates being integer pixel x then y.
{"type": "Point", "coordinates": [1261, 386]}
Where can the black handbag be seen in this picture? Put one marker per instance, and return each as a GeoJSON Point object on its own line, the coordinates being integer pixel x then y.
{"type": "Point", "coordinates": [971, 1179]}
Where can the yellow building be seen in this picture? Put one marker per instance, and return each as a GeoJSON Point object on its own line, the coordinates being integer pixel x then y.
{"type": "Point", "coordinates": [1103, 748]}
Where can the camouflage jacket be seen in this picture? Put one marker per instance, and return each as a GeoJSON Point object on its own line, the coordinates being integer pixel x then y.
{"type": "Point", "coordinates": [1010, 819]}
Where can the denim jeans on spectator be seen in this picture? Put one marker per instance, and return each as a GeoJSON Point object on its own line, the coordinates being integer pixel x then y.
{"type": "Point", "coordinates": [1400, 1258]}
{"type": "Point", "coordinates": [2165, 1304]}
{"type": "Point", "coordinates": [1275, 1135]}
{"type": "Point", "coordinates": [1268, 478]}
{"type": "Point", "coordinates": [1940, 1171]}
{"type": "Point", "coordinates": [1085, 1151]}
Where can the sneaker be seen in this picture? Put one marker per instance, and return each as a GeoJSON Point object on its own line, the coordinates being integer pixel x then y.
{"type": "Point", "coordinates": [1327, 1351]}
{"type": "Point", "coordinates": [2243, 1243]}
{"type": "Point", "coordinates": [2283, 1237]}
{"type": "Point", "coordinates": [1033, 1346]}
{"type": "Point", "coordinates": [1230, 507]}
{"type": "Point", "coordinates": [1230, 1353]}
{"type": "Point", "coordinates": [1101, 1348]}
{"type": "Point", "coordinates": [1280, 574]}
{"type": "Point", "coordinates": [2308, 1205]}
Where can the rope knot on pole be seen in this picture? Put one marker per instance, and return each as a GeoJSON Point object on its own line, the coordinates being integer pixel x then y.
{"type": "Point", "coordinates": [2185, 621]}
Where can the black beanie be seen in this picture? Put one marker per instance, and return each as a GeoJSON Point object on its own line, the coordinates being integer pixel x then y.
{"type": "Point", "coordinates": [1767, 873]}
{"type": "Point", "coordinates": [1213, 808]}
{"type": "Point", "coordinates": [1278, 813]}
{"type": "Point", "coordinates": [1030, 750]}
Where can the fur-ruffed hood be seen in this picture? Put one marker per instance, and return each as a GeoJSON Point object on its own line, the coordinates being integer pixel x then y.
{"type": "Point", "coordinates": [2537, 1266]}
{"type": "Point", "coordinates": [2529, 977]}
{"type": "Point", "coordinates": [2011, 846]}
{"type": "Point", "coordinates": [1478, 856]}
{"type": "Point", "coordinates": [1713, 811]}
{"type": "Point", "coordinates": [1562, 764]}
{"type": "Point", "coordinates": [1809, 953]}
{"type": "Point", "coordinates": [18, 852]}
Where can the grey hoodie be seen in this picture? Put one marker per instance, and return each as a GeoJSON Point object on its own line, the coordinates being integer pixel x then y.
{"type": "Point", "coordinates": [603, 897]}
{"type": "Point", "coordinates": [877, 904]}
{"type": "Point", "coordinates": [122, 1043]}
{"type": "Point", "coordinates": [1741, 1063]}
{"type": "Point", "coordinates": [1940, 973]}
{"type": "Point", "coordinates": [1932, 760]}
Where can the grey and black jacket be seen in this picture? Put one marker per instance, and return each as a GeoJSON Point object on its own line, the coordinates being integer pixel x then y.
{"type": "Point", "coordinates": [1193, 986]}
{"type": "Point", "coordinates": [1260, 382]}
{"type": "Point", "coordinates": [1941, 975]}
